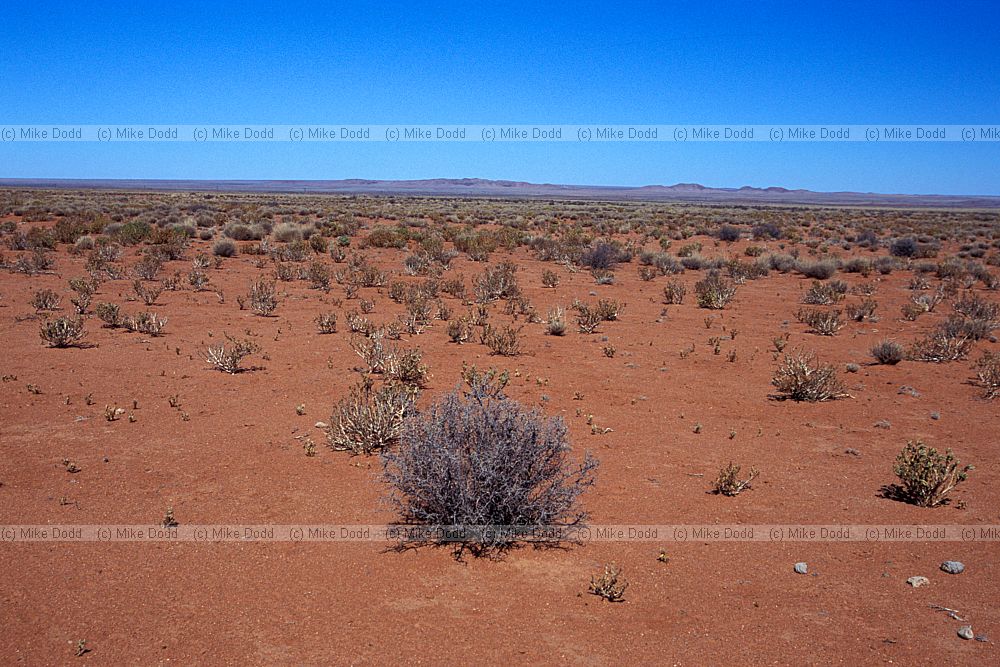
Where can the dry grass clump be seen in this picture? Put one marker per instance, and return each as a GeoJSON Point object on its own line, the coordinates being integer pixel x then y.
{"type": "Point", "coordinates": [801, 378]}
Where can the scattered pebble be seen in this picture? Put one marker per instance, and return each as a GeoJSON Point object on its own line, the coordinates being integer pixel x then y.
{"type": "Point", "coordinates": [918, 581]}
{"type": "Point", "coordinates": [850, 451]}
{"type": "Point", "coordinates": [907, 389]}
{"type": "Point", "coordinates": [965, 632]}
{"type": "Point", "coordinates": [884, 423]}
{"type": "Point", "coordinates": [935, 416]}
{"type": "Point", "coordinates": [801, 568]}
{"type": "Point", "coordinates": [321, 425]}
{"type": "Point", "coordinates": [953, 567]}
{"type": "Point", "coordinates": [982, 638]}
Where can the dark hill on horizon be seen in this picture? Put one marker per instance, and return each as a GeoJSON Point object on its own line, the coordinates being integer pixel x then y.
{"type": "Point", "coordinates": [478, 187]}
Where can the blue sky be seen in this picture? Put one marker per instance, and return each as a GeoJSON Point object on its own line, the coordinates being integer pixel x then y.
{"type": "Point", "coordinates": [765, 62]}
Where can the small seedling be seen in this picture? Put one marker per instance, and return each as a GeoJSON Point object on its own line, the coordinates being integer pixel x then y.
{"type": "Point", "coordinates": [168, 519]}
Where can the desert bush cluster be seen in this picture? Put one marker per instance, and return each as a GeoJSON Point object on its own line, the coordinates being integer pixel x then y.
{"type": "Point", "coordinates": [384, 280]}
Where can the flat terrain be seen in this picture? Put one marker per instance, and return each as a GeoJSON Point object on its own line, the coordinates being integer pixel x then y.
{"type": "Point", "coordinates": [228, 449]}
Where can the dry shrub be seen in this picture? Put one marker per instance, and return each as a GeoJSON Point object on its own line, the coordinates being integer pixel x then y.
{"type": "Point", "coordinates": [824, 294]}
{"type": "Point", "coordinates": [480, 460]}
{"type": "Point", "coordinates": [822, 322]}
{"type": "Point", "coordinates": [728, 483]}
{"type": "Point", "coordinates": [926, 476]}
{"type": "Point", "coordinates": [145, 322]}
{"type": "Point", "coordinates": [674, 292]}
{"type": "Point", "coordinates": [148, 295]}
{"type": "Point", "coordinates": [504, 341]}
{"type": "Point", "coordinates": [610, 585]}
{"type": "Point", "coordinates": [988, 374]}
{"type": "Point", "coordinates": [801, 378]}
{"type": "Point", "coordinates": [263, 297]}
{"type": "Point", "coordinates": [888, 352]}
{"type": "Point", "coordinates": [369, 419]}
{"type": "Point", "coordinates": [714, 291]}
{"type": "Point", "coordinates": [497, 282]}
{"type": "Point", "coordinates": [327, 323]}
{"type": "Point", "coordinates": [62, 331]}
{"type": "Point", "coordinates": [862, 311]}
{"type": "Point", "coordinates": [228, 357]}
{"type": "Point", "coordinates": [555, 322]}
{"type": "Point", "coordinates": [949, 341]}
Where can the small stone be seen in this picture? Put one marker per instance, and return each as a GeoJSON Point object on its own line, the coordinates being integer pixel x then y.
{"type": "Point", "coordinates": [982, 638]}
{"type": "Point", "coordinates": [918, 581]}
{"type": "Point", "coordinates": [850, 451]}
{"type": "Point", "coordinates": [801, 568]}
{"type": "Point", "coordinates": [907, 389]}
{"type": "Point", "coordinates": [953, 567]}
{"type": "Point", "coordinates": [883, 423]}
{"type": "Point", "coordinates": [322, 425]}
{"type": "Point", "coordinates": [965, 632]}
{"type": "Point", "coordinates": [935, 416]}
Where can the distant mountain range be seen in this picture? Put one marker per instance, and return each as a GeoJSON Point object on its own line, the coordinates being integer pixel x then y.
{"type": "Point", "coordinates": [478, 187]}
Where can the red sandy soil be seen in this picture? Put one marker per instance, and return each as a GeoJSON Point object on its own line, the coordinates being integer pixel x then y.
{"type": "Point", "coordinates": [237, 460]}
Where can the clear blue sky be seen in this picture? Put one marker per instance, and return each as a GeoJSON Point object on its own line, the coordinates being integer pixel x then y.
{"type": "Point", "coordinates": [621, 62]}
